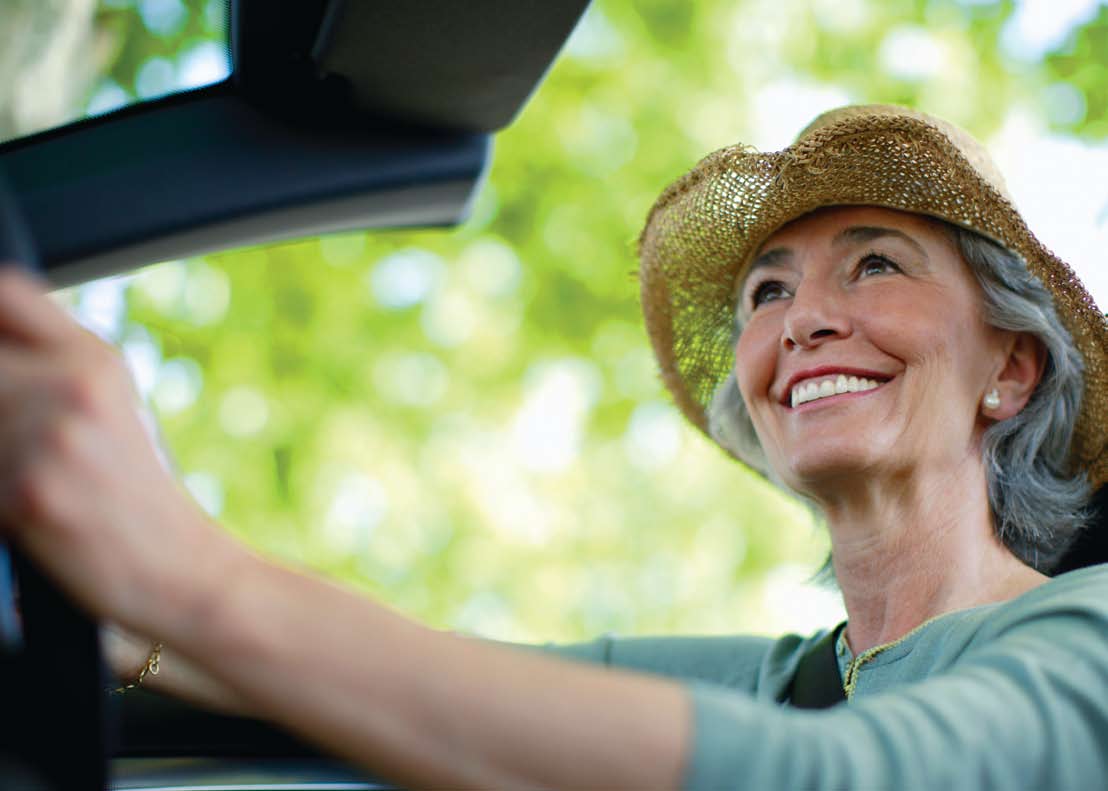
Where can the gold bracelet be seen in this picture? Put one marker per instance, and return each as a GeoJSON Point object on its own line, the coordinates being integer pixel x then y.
{"type": "Point", "coordinates": [152, 667]}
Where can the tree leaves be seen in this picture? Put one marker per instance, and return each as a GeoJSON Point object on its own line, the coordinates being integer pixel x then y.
{"type": "Point", "coordinates": [409, 380]}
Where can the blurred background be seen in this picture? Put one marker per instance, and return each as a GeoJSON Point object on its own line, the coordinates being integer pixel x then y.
{"type": "Point", "coordinates": [468, 423]}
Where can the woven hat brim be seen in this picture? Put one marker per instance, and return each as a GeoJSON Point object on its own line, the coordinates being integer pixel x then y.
{"type": "Point", "coordinates": [704, 229]}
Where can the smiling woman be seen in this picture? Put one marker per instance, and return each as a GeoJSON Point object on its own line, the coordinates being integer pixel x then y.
{"type": "Point", "coordinates": [1038, 504]}
{"type": "Point", "coordinates": [884, 366]}
{"type": "Point", "coordinates": [861, 296]}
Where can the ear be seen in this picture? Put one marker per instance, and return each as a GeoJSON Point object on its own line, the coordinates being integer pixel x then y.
{"type": "Point", "coordinates": [1020, 375]}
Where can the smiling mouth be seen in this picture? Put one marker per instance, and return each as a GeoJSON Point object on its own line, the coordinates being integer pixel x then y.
{"type": "Point", "coordinates": [821, 387]}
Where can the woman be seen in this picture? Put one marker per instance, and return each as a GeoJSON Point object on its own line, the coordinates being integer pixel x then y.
{"type": "Point", "coordinates": [892, 365]}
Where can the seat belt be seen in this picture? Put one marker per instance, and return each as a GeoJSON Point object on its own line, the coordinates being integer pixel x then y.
{"type": "Point", "coordinates": [817, 683]}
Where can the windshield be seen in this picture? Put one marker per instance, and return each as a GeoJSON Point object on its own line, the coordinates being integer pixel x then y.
{"type": "Point", "coordinates": [72, 60]}
{"type": "Point", "coordinates": [469, 423]}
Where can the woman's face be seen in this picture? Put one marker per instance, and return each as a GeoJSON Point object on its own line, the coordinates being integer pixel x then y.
{"type": "Point", "coordinates": [864, 351]}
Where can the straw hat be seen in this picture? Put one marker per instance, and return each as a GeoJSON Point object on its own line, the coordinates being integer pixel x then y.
{"type": "Point", "coordinates": [705, 227]}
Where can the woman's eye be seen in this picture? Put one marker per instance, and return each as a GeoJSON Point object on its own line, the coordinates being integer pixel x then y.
{"type": "Point", "coordinates": [768, 292]}
{"type": "Point", "coordinates": [874, 264]}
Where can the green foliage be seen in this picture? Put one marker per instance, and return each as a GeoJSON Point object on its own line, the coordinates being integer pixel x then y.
{"type": "Point", "coordinates": [1081, 67]}
{"type": "Point", "coordinates": [130, 41]}
{"type": "Point", "coordinates": [370, 405]}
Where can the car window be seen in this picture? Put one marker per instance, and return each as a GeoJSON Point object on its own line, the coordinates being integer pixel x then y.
{"type": "Point", "coordinates": [468, 422]}
{"type": "Point", "coordinates": [71, 60]}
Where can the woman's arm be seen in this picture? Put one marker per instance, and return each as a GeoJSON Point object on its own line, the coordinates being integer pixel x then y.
{"type": "Point", "coordinates": [425, 707]}
{"type": "Point", "coordinates": [83, 492]}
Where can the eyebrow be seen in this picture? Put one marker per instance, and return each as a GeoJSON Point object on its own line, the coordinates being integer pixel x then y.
{"type": "Point", "coordinates": [858, 234]}
{"type": "Point", "coordinates": [775, 257]}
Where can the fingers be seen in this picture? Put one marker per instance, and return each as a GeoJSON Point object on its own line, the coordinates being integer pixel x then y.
{"type": "Point", "coordinates": [28, 315]}
{"type": "Point", "coordinates": [90, 380]}
{"type": "Point", "coordinates": [81, 488]}
{"type": "Point", "coordinates": [49, 404]}
{"type": "Point", "coordinates": [45, 355]}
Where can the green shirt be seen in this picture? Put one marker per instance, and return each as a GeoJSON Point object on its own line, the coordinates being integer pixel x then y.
{"type": "Point", "coordinates": [1006, 696]}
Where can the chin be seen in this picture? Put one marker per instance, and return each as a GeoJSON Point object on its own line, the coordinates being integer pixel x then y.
{"type": "Point", "coordinates": [814, 467]}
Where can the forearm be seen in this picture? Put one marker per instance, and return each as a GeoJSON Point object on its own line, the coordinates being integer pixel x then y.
{"type": "Point", "coordinates": [430, 708]}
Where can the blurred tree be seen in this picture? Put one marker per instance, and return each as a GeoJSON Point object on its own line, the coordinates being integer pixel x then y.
{"type": "Point", "coordinates": [468, 422]}
{"type": "Point", "coordinates": [47, 55]}
{"type": "Point", "coordinates": [1078, 102]}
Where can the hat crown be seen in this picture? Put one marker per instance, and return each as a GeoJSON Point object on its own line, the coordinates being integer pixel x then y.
{"type": "Point", "coordinates": [968, 146]}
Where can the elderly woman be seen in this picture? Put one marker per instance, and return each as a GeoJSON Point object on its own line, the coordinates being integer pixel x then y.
{"type": "Point", "coordinates": [865, 318]}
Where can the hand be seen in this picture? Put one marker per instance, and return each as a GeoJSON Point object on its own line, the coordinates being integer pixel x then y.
{"type": "Point", "coordinates": [82, 485]}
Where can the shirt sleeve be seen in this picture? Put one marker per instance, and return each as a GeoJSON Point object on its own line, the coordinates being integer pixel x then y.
{"type": "Point", "coordinates": [757, 666]}
{"type": "Point", "coordinates": [1026, 708]}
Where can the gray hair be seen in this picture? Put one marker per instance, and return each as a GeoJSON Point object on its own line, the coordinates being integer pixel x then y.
{"type": "Point", "coordinates": [1038, 503]}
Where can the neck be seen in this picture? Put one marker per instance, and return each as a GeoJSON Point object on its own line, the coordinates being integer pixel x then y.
{"type": "Point", "coordinates": [916, 547]}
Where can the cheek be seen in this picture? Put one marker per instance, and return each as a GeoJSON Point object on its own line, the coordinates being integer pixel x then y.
{"type": "Point", "coordinates": [756, 359]}
{"type": "Point", "coordinates": [914, 343]}
{"type": "Point", "coordinates": [938, 336]}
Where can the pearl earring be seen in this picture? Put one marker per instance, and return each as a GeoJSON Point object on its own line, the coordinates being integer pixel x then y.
{"type": "Point", "coordinates": [992, 399]}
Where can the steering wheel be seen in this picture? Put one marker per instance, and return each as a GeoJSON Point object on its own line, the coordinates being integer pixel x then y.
{"type": "Point", "coordinates": [50, 665]}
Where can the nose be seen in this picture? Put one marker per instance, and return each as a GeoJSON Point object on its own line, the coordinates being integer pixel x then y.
{"type": "Point", "coordinates": [816, 314]}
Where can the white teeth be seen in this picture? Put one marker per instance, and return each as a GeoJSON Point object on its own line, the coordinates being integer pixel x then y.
{"type": "Point", "coordinates": [812, 389]}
